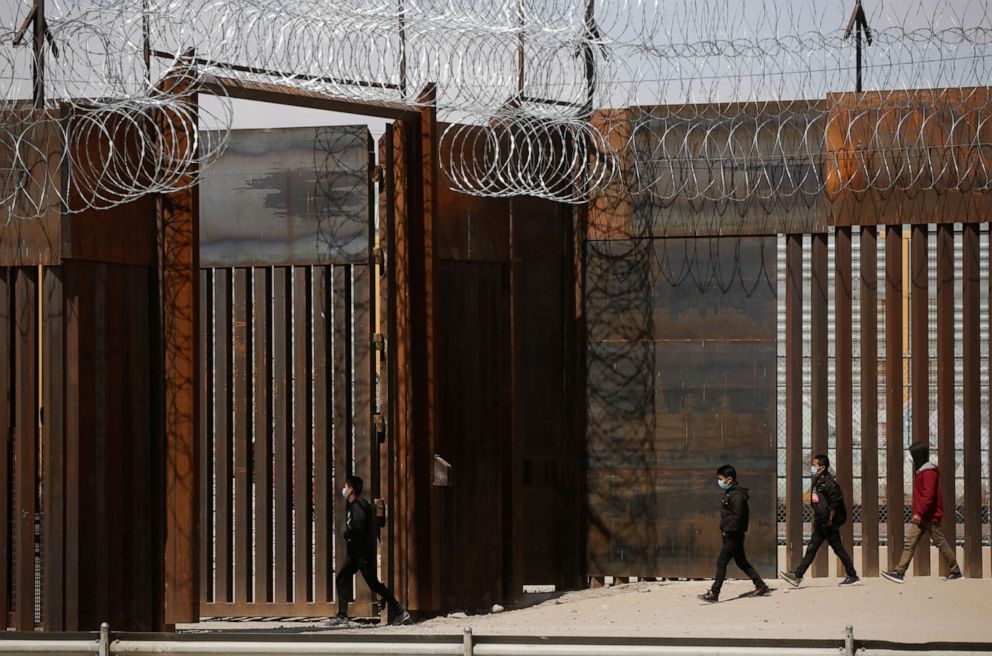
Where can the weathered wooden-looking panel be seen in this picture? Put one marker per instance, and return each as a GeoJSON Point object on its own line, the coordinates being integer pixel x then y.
{"type": "Point", "coordinates": [681, 380]}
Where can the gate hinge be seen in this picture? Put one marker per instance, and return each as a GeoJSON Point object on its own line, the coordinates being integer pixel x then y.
{"type": "Point", "coordinates": [379, 342]}
{"type": "Point", "coordinates": [380, 259]}
{"type": "Point", "coordinates": [380, 429]}
{"type": "Point", "coordinates": [380, 511]}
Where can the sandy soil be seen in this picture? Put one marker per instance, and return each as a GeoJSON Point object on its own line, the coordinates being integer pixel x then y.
{"type": "Point", "coordinates": [924, 609]}
{"type": "Point", "coordinates": [919, 611]}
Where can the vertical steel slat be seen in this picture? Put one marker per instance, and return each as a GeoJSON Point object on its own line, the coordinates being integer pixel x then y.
{"type": "Point", "coordinates": [946, 453]}
{"type": "Point", "coordinates": [818, 364]}
{"type": "Point", "coordinates": [919, 278]}
{"type": "Point", "coordinates": [971, 309]}
{"type": "Point", "coordinates": [844, 371]}
{"type": "Point", "coordinates": [794, 478]}
{"type": "Point", "coordinates": [894, 494]}
{"type": "Point", "coordinates": [869, 402]}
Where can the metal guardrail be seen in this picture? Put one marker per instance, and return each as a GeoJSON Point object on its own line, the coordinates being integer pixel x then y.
{"type": "Point", "coordinates": [281, 644]}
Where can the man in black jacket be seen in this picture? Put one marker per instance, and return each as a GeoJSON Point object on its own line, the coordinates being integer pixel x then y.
{"type": "Point", "coordinates": [359, 535]}
{"type": "Point", "coordinates": [734, 515]}
{"type": "Point", "coordinates": [829, 512]}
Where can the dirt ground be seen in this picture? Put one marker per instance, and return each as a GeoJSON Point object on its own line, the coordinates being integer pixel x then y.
{"type": "Point", "coordinates": [923, 609]}
{"type": "Point", "coordinates": [919, 611]}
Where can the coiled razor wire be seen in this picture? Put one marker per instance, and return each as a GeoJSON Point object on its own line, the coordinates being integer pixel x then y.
{"type": "Point", "coordinates": [733, 101]}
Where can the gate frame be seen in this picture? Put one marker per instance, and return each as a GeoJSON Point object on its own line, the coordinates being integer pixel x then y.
{"type": "Point", "coordinates": [179, 274]}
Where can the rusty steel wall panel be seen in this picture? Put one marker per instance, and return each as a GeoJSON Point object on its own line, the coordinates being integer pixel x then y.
{"type": "Point", "coordinates": [946, 455]}
{"type": "Point", "coordinates": [6, 433]}
{"type": "Point", "coordinates": [282, 457]}
{"type": "Point", "coordinates": [261, 386]}
{"type": "Point", "coordinates": [241, 437]}
{"type": "Point", "coordinates": [541, 521]}
{"type": "Point", "coordinates": [386, 415]}
{"type": "Point", "coordinates": [324, 495]}
{"type": "Point", "coordinates": [206, 435]}
{"type": "Point", "coordinates": [293, 196]}
{"type": "Point", "coordinates": [620, 361]}
{"type": "Point", "coordinates": [473, 357]}
{"type": "Point", "coordinates": [818, 364]}
{"type": "Point", "coordinates": [685, 200]}
{"type": "Point", "coordinates": [919, 319]}
{"type": "Point", "coordinates": [794, 401]}
{"type": "Point", "coordinates": [25, 443]}
{"type": "Point", "coordinates": [223, 523]}
{"type": "Point", "coordinates": [302, 494]}
{"type": "Point", "coordinates": [39, 240]}
{"type": "Point", "coordinates": [113, 530]}
{"type": "Point", "coordinates": [869, 401]}
{"type": "Point", "coordinates": [705, 309]}
{"type": "Point", "coordinates": [342, 399]}
{"type": "Point", "coordinates": [844, 462]}
{"type": "Point", "coordinates": [363, 399]}
{"type": "Point", "coordinates": [971, 388]}
{"type": "Point", "coordinates": [53, 450]}
{"type": "Point", "coordinates": [895, 496]}
{"type": "Point", "coordinates": [89, 281]}
{"type": "Point", "coordinates": [71, 423]}
{"type": "Point", "coordinates": [177, 216]}
{"type": "Point", "coordinates": [862, 132]}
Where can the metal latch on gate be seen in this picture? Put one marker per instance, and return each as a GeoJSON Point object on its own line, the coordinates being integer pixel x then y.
{"type": "Point", "coordinates": [380, 259]}
{"type": "Point", "coordinates": [442, 472]}
{"type": "Point", "coordinates": [380, 429]}
{"type": "Point", "coordinates": [378, 174]}
{"type": "Point", "coordinates": [379, 342]}
{"type": "Point", "coordinates": [380, 511]}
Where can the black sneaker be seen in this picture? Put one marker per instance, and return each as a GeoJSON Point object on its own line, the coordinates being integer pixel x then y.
{"type": "Point", "coordinates": [710, 596]}
{"type": "Point", "coordinates": [403, 617]}
{"type": "Point", "coordinates": [338, 620]}
{"type": "Point", "coordinates": [954, 576]}
{"type": "Point", "coordinates": [849, 581]}
{"type": "Point", "coordinates": [894, 576]}
{"type": "Point", "coordinates": [761, 591]}
{"type": "Point", "coordinates": [791, 578]}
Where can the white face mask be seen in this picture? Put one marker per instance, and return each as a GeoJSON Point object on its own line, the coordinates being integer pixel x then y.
{"type": "Point", "coordinates": [344, 493]}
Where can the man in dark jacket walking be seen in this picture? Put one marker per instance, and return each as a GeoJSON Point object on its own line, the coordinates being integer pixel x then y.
{"type": "Point", "coordinates": [734, 515]}
{"type": "Point", "coordinates": [359, 535]}
{"type": "Point", "coordinates": [829, 512]}
{"type": "Point", "coordinates": [928, 510]}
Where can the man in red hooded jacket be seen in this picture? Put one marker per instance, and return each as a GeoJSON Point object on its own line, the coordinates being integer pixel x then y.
{"type": "Point", "coordinates": [928, 510]}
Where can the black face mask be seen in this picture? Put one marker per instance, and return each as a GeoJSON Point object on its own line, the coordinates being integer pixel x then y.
{"type": "Point", "coordinates": [921, 456]}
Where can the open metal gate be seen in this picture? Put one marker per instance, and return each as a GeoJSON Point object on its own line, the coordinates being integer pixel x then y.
{"type": "Point", "coordinates": [288, 377]}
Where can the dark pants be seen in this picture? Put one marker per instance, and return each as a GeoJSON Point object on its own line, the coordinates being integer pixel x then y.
{"type": "Point", "coordinates": [365, 565]}
{"type": "Point", "coordinates": [733, 549]}
{"type": "Point", "coordinates": [830, 534]}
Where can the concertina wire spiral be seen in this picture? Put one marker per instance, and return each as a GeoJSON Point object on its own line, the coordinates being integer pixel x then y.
{"type": "Point", "coordinates": [714, 100]}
